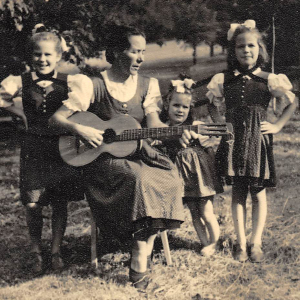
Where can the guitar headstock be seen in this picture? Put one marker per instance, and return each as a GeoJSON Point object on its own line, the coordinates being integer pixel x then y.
{"type": "Point", "coordinates": [216, 129]}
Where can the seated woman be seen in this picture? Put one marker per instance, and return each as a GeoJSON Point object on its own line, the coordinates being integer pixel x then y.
{"type": "Point", "coordinates": [136, 195]}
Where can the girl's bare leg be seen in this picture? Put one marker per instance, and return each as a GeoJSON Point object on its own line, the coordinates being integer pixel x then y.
{"type": "Point", "coordinates": [239, 197]}
{"type": "Point", "coordinates": [210, 220]}
{"type": "Point", "coordinates": [259, 214]}
{"type": "Point", "coordinates": [59, 224]}
{"type": "Point", "coordinates": [197, 221]}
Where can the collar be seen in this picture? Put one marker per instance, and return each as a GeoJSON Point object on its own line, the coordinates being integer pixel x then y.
{"type": "Point", "coordinates": [35, 77]}
{"type": "Point", "coordinates": [255, 72]}
{"type": "Point", "coordinates": [132, 79]}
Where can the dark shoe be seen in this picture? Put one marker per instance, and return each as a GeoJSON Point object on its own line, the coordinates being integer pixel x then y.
{"type": "Point", "coordinates": [240, 254]}
{"type": "Point", "coordinates": [139, 280]}
{"type": "Point", "coordinates": [35, 261]}
{"type": "Point", "coordinates": [57, 262]}
{"type": "Point", "coordinates": [256, 253]}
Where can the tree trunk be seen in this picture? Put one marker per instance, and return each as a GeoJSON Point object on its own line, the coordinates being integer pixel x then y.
{"type": "Point", "coordinates": [194, 54]}
{"type": "Point", "coordinates": [212, 49]}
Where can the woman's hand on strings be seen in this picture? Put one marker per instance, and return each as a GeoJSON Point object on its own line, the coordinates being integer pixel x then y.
{"type": "Point", "coordinates": [91, 135]}
{"type": "Point", "coordinates": [269, 128]}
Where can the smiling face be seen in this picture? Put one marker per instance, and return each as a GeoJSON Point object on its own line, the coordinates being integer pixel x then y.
{"type": "Point", "coordinates": [45, 56]}
{"type": "Point", "coordinates": [130, 60]}
{"type": "Point", "coordinates": [247, 49]}
{"type": "Point", "coordinates": [179, 108]}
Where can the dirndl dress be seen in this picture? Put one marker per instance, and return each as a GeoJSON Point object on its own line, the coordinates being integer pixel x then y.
{"type": "Point", "coordinates": [44, 176]}
{"type": "Point", "coordinates": [249, 158]}
{"type": "Point", "coordinates": [197, 169]}
{"type": "Point", "coordinates": [130, 195]}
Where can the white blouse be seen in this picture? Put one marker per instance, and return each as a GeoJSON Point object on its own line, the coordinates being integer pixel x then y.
{"type": "Point", "coordinates": [123, 92]}
{"type": "Point", "coordinates": [11, 89]}
{"type": "Point", "coordinates": [279, 86]}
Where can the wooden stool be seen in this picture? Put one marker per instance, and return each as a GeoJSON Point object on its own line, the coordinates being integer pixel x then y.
{"type": "Point", "coordinates": [94, 234]}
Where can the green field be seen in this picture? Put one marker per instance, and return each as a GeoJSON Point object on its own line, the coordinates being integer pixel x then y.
{"type": "Point", "coordinates": [191, 277]}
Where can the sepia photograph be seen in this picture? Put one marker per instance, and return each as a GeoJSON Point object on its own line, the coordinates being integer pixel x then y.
{"type": "Point", "coordinates": [149, 149]}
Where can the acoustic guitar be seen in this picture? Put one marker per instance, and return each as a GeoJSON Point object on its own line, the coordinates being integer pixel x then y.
{"type": "Point", "coordinates": [122, 135]}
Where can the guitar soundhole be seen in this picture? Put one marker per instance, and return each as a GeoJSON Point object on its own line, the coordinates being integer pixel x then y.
{"type": "Point", "coordinates": [109, 136]}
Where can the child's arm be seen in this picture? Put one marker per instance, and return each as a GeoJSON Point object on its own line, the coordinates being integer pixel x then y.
{"type": "Point", "coordinates": [214, 113]}
{"type": "Point", "coordinates": [10, 91]}
{"type": "Point", "coordinates": [280, 87]}
{"type": "Point", "coordinates": [18, 112]}
{"type": "Point", "coordinates": [267, 127]}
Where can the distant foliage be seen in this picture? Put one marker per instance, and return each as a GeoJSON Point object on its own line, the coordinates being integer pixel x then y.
{"type": "Point", "coordinates": [192, 21]}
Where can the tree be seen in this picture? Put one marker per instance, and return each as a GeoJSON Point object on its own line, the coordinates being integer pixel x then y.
{"type": "Point", "coordinates": [193, 23]}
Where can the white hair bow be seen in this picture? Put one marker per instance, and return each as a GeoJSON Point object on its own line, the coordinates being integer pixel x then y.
{"type": "Point", "coordinates": [181, 85]}
{"type": "Point", "coordinates": [41, 27]}
{"type": "Point", "coordinates": [38, 28]}
{"type": "Point", "coordinates": [248, 23]}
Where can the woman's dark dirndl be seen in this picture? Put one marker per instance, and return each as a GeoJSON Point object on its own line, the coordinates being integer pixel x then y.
{"type": "Point", "coordinates": [128, 195]}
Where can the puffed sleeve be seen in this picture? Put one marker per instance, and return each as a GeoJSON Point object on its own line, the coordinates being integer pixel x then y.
{"type": "Point", "coordinates": [215, 89]}
{"type": "Point", "coordinates": [153, 101]}
{"type": "Point", "coordinates": [11, 87]}
{"type": "Point", "coordinates": [80, 92]}
{"type": "Point", "coordinates": [280, 87]}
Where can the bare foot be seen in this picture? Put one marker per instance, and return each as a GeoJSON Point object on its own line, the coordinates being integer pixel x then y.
{"type": "Point", "coordinates": [208, 250]}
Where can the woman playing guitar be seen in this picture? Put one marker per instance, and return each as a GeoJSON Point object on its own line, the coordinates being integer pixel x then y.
{"type": "Point", "coordinates": [136, 195]}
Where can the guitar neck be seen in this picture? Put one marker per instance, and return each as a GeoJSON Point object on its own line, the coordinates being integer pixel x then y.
{"type": "Point", "coordinates": [215, 129]}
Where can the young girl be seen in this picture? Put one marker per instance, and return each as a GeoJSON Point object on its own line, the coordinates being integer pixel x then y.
{"type": "Point", "coordinates": [196, 165]}
{"type": "Point", "coordinates": [44, 178]}
{"type": "Point", "coordinates": [248, 163]}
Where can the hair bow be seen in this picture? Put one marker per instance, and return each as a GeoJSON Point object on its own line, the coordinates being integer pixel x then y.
{"type": "Point", "coordinates": [248, 23]}
{"type": "Point", "coordinates": [38, 28]}
{"type": "Point", "coordinates": [181, 85]}
{"type": "Point", "coordinates": [42, 28]}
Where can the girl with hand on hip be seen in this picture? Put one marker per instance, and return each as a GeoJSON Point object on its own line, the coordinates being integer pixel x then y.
{"type": "Point", "coordinates": [248, 163]}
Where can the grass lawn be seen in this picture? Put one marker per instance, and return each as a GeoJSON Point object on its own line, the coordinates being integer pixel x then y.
{"type": "Point", "coordinates": [191, 277]}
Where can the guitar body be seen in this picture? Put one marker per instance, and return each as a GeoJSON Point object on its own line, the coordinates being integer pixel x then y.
{"type": "Point", "coordinates": [76, 153]}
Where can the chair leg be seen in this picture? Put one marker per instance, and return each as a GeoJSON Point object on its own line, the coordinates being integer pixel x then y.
{"type": "Point", "coordinates": [165, 242]}
{"type": "Point", "coordinates": [94, 257]}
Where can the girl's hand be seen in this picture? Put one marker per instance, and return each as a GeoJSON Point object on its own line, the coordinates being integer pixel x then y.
{"type": "Point", "coordinates": [269, 128]}
{"type": "Point", "coordinates": [205, 141]}
{"type": "Point", "coordinates": [18, 112]}
{"type": "Point", "coordinates": [153, 142]}
{"type": "Point", "coordinates": [91, 135]}
{"type": "Point", "coordinates": [186, 137]}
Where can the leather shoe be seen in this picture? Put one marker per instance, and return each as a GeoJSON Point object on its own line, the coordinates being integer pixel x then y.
{"type": "Point", "coordinates": [36, 262]}
{"type": "Point", "coordinates": [139, 280]}
{"type": "Point", "coordinates": [57, 262]}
